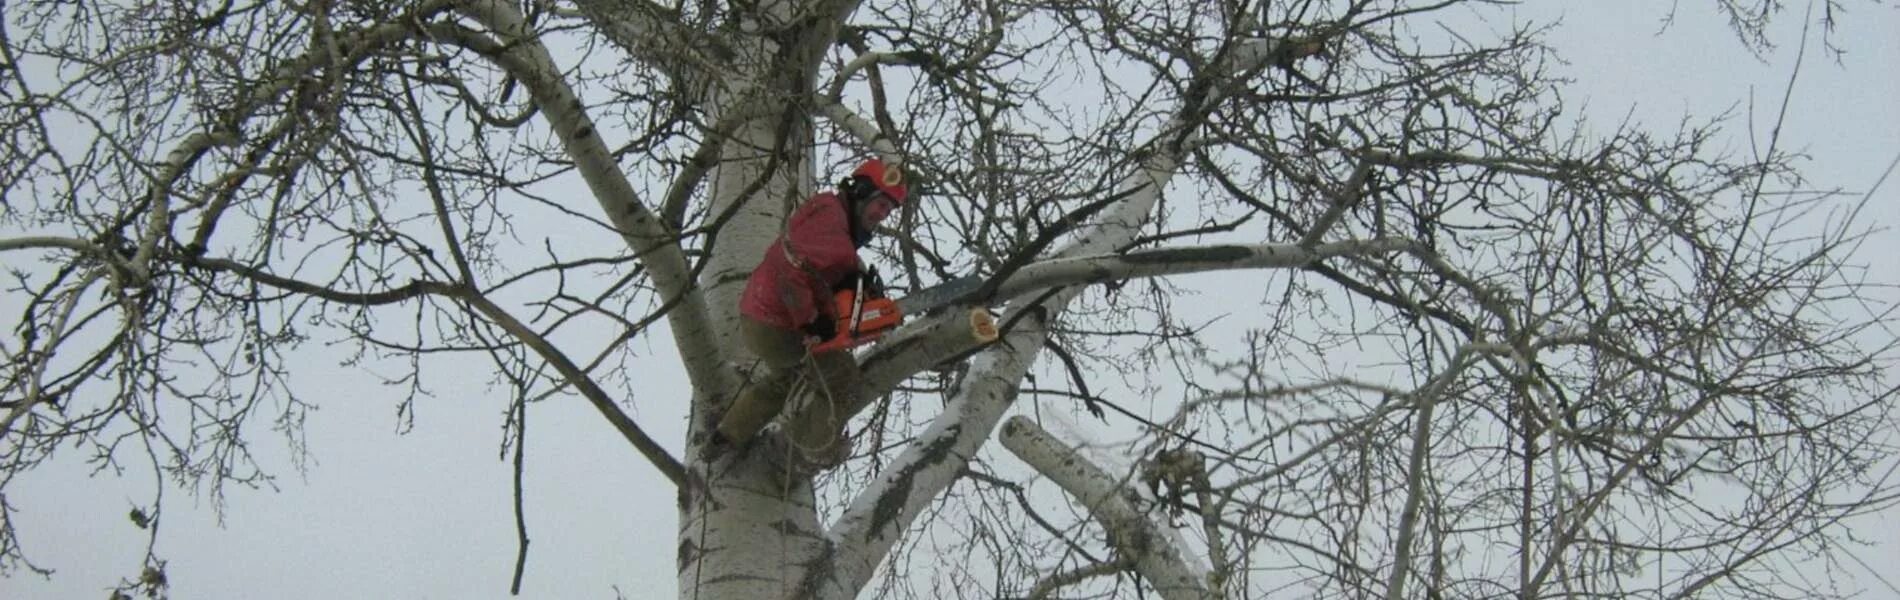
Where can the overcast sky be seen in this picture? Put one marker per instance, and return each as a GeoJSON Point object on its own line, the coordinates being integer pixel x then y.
{"type": "Point", "coordinates": [428, 514]}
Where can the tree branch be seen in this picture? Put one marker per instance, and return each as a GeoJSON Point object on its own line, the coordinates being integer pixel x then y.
{"type": "Point", "coordinates": [866, 530]}
{"type": "Point", "coordinates": [656, 35]}
{"type": "Point", "coordinates": [1067, 271]}
{"type": "Point", "coordinates": [414, 289]}
{"type": "Point", "coordinates": [926, 343]}
{"type": "Point", "coordinates": [1057, 581]}
{"type": "Point", "coordinates": [1414, 498]}
{"type": "Point", "coordinates": [867, 132]}
{"type": "Point", "coordinates": [575, 375]}
{"type": "Point", "coordinates": [521, 514]}
{"type": "Point", "coordinates": [1131, 533]}
{"type": "Point", "coordinates": [1343, 201]}
{"type": "Point", "coordinates": [355, 46]}
{"type": "Point", "coordinates": [668, 466]}
{"type": "Point", "coordinates": [525, 58]}
{"type": "Point", "coordinates": [36, 362]}
{"type": "Point", "coordinates": [85, 247]}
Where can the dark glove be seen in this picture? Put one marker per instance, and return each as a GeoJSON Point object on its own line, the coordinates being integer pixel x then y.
{"type": "Point", "coordinates": [822, 327]}
{"type": "Point", "coordinates": [873, 284]}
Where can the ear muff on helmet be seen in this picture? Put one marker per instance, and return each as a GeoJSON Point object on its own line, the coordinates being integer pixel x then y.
{"type": "Point", "coordinates": [889, 179]}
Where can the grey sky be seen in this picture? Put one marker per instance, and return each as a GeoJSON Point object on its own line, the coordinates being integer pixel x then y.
{"type": "Point", "coordinates": [428, 514]}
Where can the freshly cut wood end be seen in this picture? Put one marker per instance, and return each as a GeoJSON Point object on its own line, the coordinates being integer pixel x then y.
{"type": "Point", "coordinates": [983, 325]}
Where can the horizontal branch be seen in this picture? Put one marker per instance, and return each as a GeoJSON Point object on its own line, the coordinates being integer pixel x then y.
{"type": "Point", "coordinates": [926, 343]}
{"type": "Point", "coordinates": [918, 346]}
{"type": "Point", "coordinates": [412, 290]}
{"type": "Point", "coordinates": [573, 374]}
{"type": "Point", "coordinates": [55, 242]}
{"type": "Point", "coordinates": [1062, 272]}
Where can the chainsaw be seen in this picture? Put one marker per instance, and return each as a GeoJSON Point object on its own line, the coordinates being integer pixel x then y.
{"type": "Point", "coordinates": [865, 314]}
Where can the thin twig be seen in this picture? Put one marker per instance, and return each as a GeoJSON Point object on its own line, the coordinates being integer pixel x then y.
{"type": "Point", "coordinates": [521, 518]}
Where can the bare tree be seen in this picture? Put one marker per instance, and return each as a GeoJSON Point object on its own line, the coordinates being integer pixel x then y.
{"type": "Point", "coordinates": [1580, 364]}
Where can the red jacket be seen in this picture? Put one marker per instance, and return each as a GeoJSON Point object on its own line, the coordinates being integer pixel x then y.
{"type": "Point", "coordinates": [789, 296]}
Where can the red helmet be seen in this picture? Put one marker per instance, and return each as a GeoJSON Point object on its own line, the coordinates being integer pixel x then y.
{"type": "Point", "coordinates": [888, 178]}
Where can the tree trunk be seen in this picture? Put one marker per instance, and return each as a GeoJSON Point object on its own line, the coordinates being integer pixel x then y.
{"type": "Point", "coordinates": [748, 535]}
{"type": "Point", "coordinates": [746, 527]}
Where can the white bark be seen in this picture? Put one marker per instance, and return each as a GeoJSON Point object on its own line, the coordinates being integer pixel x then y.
{"type": "Point", "coordinates": [86, 247]}
{"type": "Point", "coordinates": [750, 535]}
{"type": "Point", "coordinates": [876, 518]}
{"type": "Point", "coordinates": [867, 132]}
{"type": "Point", "coordinates": [765, 168]}
{"type": "Point", "coordinates": [866, 531]}
{"type": "Point", "coordinates": [745, 531]}
{"type": "Point", "coordinates": [913, 348]}
{"type": "Point", "coordinates": [1132, 534]}
{"type": "Point", "coordinates": [1098, 268]}
{"type": "Point", "coordinates": [1414, 498]}
{"type": "Point", "coordinates": [924, 343]}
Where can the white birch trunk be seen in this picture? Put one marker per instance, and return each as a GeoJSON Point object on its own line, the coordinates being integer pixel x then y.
{"type": "Point", "coordinates": [744, 533]}
{"type": "Point", "coordinates": [745, 529]}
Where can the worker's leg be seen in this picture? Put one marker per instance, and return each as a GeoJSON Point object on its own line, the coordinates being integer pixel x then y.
{"type": "Point", "coordinates": [783, 355]}
{"type": "Point", "coordinates": [817, 425]}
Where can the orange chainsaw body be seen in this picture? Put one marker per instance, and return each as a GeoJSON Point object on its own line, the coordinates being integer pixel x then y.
{"type": "Point", "coordinates": [860, 320]}
{"type": "Point", "coordinates": [864, 314]}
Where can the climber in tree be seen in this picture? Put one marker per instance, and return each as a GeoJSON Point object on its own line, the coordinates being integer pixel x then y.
{"type": "Point", "coordinates": [787, 308]}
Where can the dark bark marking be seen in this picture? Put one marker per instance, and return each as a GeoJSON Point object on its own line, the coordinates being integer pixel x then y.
{"type": "Point", "coordinates": [891, 505]}
{"type": "Point", "coordinates": [1218, 254]}
{"type": "Point", "coordinates": [689, 554]}
{"type": "Point", "coordinates": [788, 528]}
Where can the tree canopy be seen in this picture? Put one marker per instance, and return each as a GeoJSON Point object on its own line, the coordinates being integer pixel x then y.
{"type": "Point", "coordinates": [1490, 347]}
